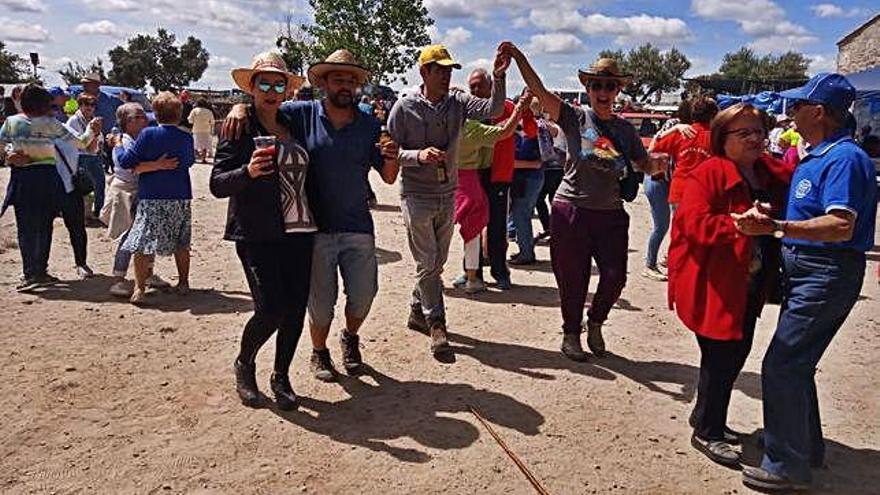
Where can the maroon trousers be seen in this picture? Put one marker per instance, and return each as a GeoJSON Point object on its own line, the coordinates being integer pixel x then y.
{"type": "Point", "coordinates": [579, 235]}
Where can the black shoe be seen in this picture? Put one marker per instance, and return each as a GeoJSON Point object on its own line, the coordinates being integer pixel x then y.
{"type": "Point", "coordinates": [417, 319]}
{"type": "Point", "coordinates": [571, 347]}
{"type": "Point", "coordinates": [761, 479]}
{"type": "Point", "coordinates": [246, 384]}
{"type": "Point", "coordinates": [322, 366]}
{"type": "Point", "coordinates": [730, 436]}
{"type": "Point", "coordinates": [594, 339]}
{"type": "Point", "coordinates": [351, 352]}
{"type": "Point", "coordinates": [717, 450]}
{"type": "Point", "coordinates": [27, 284]}
{"type": "Point", "coordinates": [284, 396]}
{"type": "Point", "coordinates": [46, 279]}
{"type": "Point", "coordinates": [519, 260]}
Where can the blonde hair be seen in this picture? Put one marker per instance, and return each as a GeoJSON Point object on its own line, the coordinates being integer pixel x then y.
{"type": "Point", "coordinates": [167, 107]}
{"type": "Point", "coordinates": [722, 121]}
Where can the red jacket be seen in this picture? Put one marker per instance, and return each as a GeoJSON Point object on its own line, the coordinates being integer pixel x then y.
{"type": "Point", "coordinates": [503, 157]}
{"type": "Point", "coordinates": [687, 153]}
{"type": "Point", "coordinates": [708, 257]}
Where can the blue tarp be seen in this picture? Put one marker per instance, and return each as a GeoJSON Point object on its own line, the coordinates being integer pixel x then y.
{"type": "Point", "coordinates": [867, 82]}
{"type": "Point", "coordinates": [766, 100]}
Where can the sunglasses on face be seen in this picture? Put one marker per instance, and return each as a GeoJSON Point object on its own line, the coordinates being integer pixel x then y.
{"type": "Point", "coordinates": [794, 108]}
{"type": "Point", "coordinates": [86, 104]}
{"type": "Point", "coordinates": [599, 85]}
{"type": "Point", "coordinates": [279, 87]}
{"type": "Point", "coordinates": [746, 133]}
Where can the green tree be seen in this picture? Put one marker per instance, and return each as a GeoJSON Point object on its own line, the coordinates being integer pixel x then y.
{"type": "Point", "coordinates": [654, 72]}
{"type": "Point", "coordinates": [12, 67]}
{"type": "Point", "coordinates": [746, 64]}
{"type": "Point", "coordinates": [159, 61]}
{"type": "Point", "coordinates": [293, 43]}
{"type": "Point", "coordinates": [74, 72]}
{"type": "Point", "coordinates": [384, 35]}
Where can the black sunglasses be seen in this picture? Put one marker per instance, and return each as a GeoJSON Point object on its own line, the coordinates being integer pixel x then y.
{"type": "Point", "coordinates": [607, 85]}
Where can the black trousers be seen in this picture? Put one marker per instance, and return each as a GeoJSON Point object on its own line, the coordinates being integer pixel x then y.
{"type": "Point", "coordinates": [552, 179]}
{"type": "Point", "coordinates": [73, 214]}
{"type": "Point", "coordinates": [720, 364]}
{"type": "Point", "coordinates": [278, 274]}
{"type": "Point", "coordinates": [498, 194]}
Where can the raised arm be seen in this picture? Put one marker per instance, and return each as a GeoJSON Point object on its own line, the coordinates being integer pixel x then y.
{"type": "Point", "coordinates": [551, 102]}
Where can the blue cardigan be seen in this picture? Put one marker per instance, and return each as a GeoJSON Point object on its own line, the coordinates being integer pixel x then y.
{"type": "Point", "coordinates": [151, 144]}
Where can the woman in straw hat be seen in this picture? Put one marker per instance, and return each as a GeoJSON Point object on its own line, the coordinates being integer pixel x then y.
{"type": "Point", "coordinates": [262, 172]}
{"type": "Point", "coordinates": [588, 220]}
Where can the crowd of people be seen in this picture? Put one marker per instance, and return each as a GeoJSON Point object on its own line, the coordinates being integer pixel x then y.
{"type": "Point", "coordinates": [762, 209]}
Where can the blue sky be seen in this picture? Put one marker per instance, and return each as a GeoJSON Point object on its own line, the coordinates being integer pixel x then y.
{"type": "Point", "coordinates": [558, 35]}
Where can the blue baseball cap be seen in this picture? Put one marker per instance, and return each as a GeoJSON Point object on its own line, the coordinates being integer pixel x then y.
{"type": "Point", "coordinates": [830, 89]}
{"type": "Point", "coordinates": [56, 91]}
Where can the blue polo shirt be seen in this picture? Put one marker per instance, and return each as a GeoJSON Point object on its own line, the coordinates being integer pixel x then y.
{"type": "Point", "coordinates": [835, 175]}
{"type": "Point", "coordinates": [339, 160]}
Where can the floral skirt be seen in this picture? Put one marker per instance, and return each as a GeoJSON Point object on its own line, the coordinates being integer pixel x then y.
{"type": "Point", "coordinates": [161, 226]}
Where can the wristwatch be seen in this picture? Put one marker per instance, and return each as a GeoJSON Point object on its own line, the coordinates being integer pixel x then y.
{"type": "Point", "coordinates": [778, 229]}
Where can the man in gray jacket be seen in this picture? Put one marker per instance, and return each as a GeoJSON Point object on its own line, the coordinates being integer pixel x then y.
{"type": "Point", "coordinates": [427, 125]}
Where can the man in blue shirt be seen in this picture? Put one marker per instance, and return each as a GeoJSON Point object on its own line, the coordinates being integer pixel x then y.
{"type": "Point", "coordinates": [106, 106]}
{"type": "Point", "coordinates": [830, 221]}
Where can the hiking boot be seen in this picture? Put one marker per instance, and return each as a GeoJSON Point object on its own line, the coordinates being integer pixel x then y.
{"type": "Point", "coordinates": [717, 450]}
{"type": "Point", "coordinates": [417, 319]}
{"type": "Point", "coordinates": [246, 384]}
{"type": "Point", "coordinates": [439, 339]}
{"type": "Point", "coordinates": [761, 479]}
{"type": "Point", "coordinates": [571, 347]}
{"type": "Point", "coordinates": [474, 286]}
{"type": "Point", "coordinates": [285, 399]}
{"type": "Point", "coordinates": [351, 352]}
{"type": "Point", "coordinates": [322, 366]}
{"type": "Point", "coordinates": [594, 339]}
{"type": "Point", "coordinates": [654, 274]}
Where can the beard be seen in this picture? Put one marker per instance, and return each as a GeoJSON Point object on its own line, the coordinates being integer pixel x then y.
{"type": "Point", "coordinates": [341, 99]}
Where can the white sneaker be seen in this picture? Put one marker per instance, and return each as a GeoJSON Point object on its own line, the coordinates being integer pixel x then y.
{"type": "Point", "coordinates": [154, 281]}
{"type": "Point", "coordinates": [664, 261]}
{"type": "Point", "coordinates": [123, 288]}
{"type": "Point", "coordinates": [84, 272]}
{"type": "Point", "coordinates": [654, 274]}
{"type": "Point", "coordinates": [474, 286]}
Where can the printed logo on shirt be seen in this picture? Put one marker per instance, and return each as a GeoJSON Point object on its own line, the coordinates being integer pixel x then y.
{"type": "Point", "coordinates": [803, 188]}
{"type": "Point", "coordinates": [600, 151]}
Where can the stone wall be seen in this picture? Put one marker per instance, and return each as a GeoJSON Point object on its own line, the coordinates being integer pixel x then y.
{"type": "Point", "coordinates": [862, 51]}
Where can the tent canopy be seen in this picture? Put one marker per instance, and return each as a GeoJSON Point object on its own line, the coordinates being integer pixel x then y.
{"type": "Point", "coordinates": [867, 82]}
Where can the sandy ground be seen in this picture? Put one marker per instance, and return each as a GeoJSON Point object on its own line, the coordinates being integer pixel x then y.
{"type": "Point", "coordinates": [103, 397]}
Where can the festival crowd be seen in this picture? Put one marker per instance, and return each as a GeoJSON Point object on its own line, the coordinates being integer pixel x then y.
{"type": "Point", "coordinates": [762, 208]}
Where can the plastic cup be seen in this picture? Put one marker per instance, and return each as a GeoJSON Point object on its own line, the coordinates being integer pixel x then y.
{"type": "Point", "coordinates": [264, 142]}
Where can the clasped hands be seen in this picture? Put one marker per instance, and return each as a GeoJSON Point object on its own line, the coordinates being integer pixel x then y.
{"type": "Point", "coordinates": [755, 221]}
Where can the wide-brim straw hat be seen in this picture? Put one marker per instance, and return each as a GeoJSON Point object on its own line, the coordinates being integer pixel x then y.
{"type": "Point", "coordinates": [270, 62]}
{"type": "Point", "coordinates": [604, 68]}
{"type": "Point", "coordinates": [339, 61]}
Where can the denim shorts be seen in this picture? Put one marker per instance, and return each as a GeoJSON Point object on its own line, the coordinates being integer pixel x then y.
{"type": "Point", "coordinates": [353, 256]}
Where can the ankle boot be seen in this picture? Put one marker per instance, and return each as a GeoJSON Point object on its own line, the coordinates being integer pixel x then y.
{"type": "Point", "coordinates": [284, 396]}
{"type": "Point", "coordinates": [246, 384]}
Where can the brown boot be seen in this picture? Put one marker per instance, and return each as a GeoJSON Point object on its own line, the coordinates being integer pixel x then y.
{"type": "Point", "coordinates": [439, 340]}
{"type": "Point", "coordinates": [594, 339]}
{"type": "Point", "coordinates": [571, 347]}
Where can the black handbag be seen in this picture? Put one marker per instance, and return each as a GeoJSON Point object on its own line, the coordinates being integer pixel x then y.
{"type": "Point", "coordinates": [629, 183]}
{"type": "Point", "coordinates": [82, 183]}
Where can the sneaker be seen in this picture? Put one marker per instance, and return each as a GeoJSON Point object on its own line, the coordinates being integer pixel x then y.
{"type": "Point", "coordinates": [246, 384]}
{"type": "Point", "coordinates": [46, 279]}
{"type": "Point", "coordinates": [285, 398]}
{"type": "Point", "coordinates": [717, 450]}
{"type": "Point", "coordinates": [123, 288]}
{"type": "Point", "coordinates": [351, 352]}
{"type": "Point", "coordinates": [519, 259]}
{"type": "Point", "coordinates": [503, 283]}
{"type": "Point", "coordinates": [571, 347]}
{"type": "Point", "coordinates": [594, 339]}
{"type": "Point", "coordinates": [417, 320]}
{"type": "Point", "coordinates": [27, 284]}
{"type": "Point", "coordinates": [654, 274]}
{"type": "Point", "coordinates": [460, 281]}
{"type": "Point", "coordinates": [474, 286]}
{"type": "Point", "coordinates": [761, 479]}
{"type": "Point", "coordinates": [439, 339]}
{"type": "Point", "coordinates": [84, 272]}
{"type": "Point", "coordinates": [322, 366]}
{"type": "Point", "coordinates": [155, 282]}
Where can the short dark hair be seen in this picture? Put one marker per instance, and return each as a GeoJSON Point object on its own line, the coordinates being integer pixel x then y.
{"type": "Point", "coordinates": [703, 109]}
{"type": "Point", "coordinates": [684, 112]}
{"type": "Point", "coordinates": [35, 100]}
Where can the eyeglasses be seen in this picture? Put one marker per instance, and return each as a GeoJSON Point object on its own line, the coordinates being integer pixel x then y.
{"type": "Point", "coordinates": [745, 133]}
{"type": "Point", "coordinates": [797, 105]}
{"type": "Point", "coordinates": [607, 86]}
{"type": "Point", "coordinates": [279, 87]}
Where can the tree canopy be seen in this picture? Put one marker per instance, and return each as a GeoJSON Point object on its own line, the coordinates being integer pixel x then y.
{"type": "Point", "coordinates": [653, 71]}
{"type": "Point", "coordinates": [158, 60]}
{"type": "Point", "coordinates": [13, 68]}
{"type": "Point", "coordinates": [746, 64]}
{"type": "Point", "coordinates": [74, 71]}
{"type": "Point", "coordinates": [384, 35]}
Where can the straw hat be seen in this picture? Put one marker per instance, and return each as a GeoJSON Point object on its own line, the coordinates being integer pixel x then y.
{"type": "Point", "coordinates": [341, 61]}
{"type": "Point", "coordinates": [91, 77]}
{"type": "Point", "coordinates": [265, 62]}
{"type": "Point", "coordinates": [604, 68]}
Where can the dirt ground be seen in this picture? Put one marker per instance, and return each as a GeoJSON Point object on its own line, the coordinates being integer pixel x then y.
{"type": "Point", "coordinates": [103, 397]}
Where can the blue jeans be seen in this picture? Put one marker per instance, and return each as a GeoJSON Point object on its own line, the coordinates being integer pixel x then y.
{"type": "Point", "coordinates": [657, 192]}
{"type": "Point", "coordinates": [524, 191]}
{"type": "Point", "coordinates": [94, 166]}
{"type": "Point", "coordinates": [821, 287]}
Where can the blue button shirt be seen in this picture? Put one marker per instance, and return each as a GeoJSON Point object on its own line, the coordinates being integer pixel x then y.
{"type": "Point", "coordinates": [106, 109]}
{"type": "Point", "coordinates": [835, 175]}
{"type": "Point", "coordinates": [339, 160]}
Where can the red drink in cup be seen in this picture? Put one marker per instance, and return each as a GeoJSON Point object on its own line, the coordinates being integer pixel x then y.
{"type": "Point", "coordinates": [266, 144]}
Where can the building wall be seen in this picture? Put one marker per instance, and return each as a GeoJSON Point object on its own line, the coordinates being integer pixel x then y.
{"type": "Point", "coordinates": [862, 51]}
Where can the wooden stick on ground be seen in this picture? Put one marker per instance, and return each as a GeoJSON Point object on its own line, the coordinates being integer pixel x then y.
{"type": "Point", "coordinates": [516, 460]}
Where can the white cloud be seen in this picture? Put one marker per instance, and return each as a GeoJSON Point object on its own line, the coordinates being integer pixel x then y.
{"type": "Point", "coordinates": [822, 63]}
{"type": "Point", "coordinates": [831, 10]}
{"type": "Point", "coordinates": [219, 61]}
{"type": "Point", "coordinates": [23, 32]}
{"type": "Point", "coordinates": [453, 37]}
{"type": "Point", "coordinates": [480, 62]}
{"type": "Point", "coordinates": [457, 9]}
{"type": "Point", "coordinates": [555, 43]}
{"type": "Point", "coordinates": [98, 28]}
{"type": "Point", "coordinates": [626, 30]}
{"type": "Point", "coordinates": [778, 44]}
{"type": "Point", "coordinates": [24, 5]}
{"type": "Point", "coordinates": [520, 22]}
{"type": "Point", "coordinates": [112, 5]}
{"type": "Point", "coordinates": [763, 19]}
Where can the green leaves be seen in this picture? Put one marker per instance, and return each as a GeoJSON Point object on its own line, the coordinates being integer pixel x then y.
{"type": "Point", "coordinates": [13, 68]}
{"type": "Point", "coordinates": [745, 64]}
{"type": "Point", "coordinates": [74, 72]}
{"type": "Point", "coordinates": [653, 71]}
{"type": "Point", "coordinates": [159, 61]}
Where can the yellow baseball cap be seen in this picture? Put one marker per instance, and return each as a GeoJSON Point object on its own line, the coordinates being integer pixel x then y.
{"type": "Point", "coordinates": [437, 54]}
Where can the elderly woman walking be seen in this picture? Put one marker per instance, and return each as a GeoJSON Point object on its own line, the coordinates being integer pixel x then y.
{"type": "Point", "coordinates": [263, 173]}
{"type": "Point", "coordinates": [163, 221]}
{"type": "Point", "coordinates": [718, 277]}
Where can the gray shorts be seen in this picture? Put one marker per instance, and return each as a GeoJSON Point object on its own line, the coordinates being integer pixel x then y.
{"type": "Point", "coordinates": [352, 255]}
